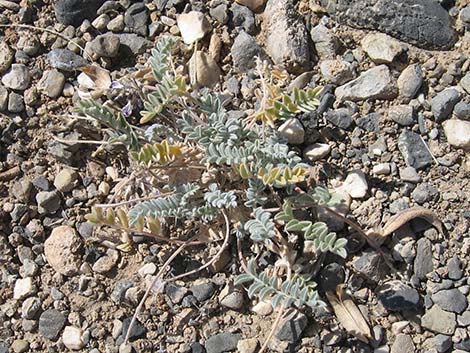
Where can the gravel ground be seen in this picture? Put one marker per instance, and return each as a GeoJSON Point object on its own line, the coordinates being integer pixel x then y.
{"type": "Point", "coordinates": [392, 131]}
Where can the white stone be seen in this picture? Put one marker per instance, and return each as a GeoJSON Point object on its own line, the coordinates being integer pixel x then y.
{"type": "Point", "coordinates": [72, 338]}
{"type": "Point", "coordinates": [147, 269]}
{"type": "Point", "coordinates": [18, 78]}
{"type": "Point", "coordinates": [356, 184]}
{"type": "Point", "coordinates": [381, 48]}
{"type": "Point", "coordinates": [293, 131]}
{"type": "Point", "coordinates": [23, 288]}
{"type": "Point", "coordinates": [457, 133]}
{"type": "Point", "coordinates": [62, 250]}
{"type": "Point", "coordinates": [381, 169]}
{"type": "Point", "coordinates": [263, 308]}
{"type": "Point", "coordinates": [316, 151]}
{"type": "Point", "coordinates": [84, 81]}
{"type": "Point", "coordinates": [193, 26]}
{"type": "Point", "coordinates": [203, 70]}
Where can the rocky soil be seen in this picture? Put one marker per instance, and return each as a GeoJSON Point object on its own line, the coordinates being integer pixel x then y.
{"type": "Point", "coordinates": [392, 130]}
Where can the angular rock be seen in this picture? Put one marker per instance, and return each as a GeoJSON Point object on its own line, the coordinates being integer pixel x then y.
{"type": "Point", "coordinates": [202, 291]}
{"type": "Point", "coordinates": [454, 267]}
{"type": "Point", "coordinates": [425, 192]}
{"type": "Point", "coordinates": [105, 45]}
{"type": "Point", "coordinates": [249, 345]}
{"type": "Point", "coordinates": [137, 331]}
{"type": "Point", "coordinates": [15, 102]}
{"type": "Point", "coordinates": [107, 262]}
{"type": "Point", "coordinates": [66, 60]}
{"type": "Point", "coordinates": [438, 320]}
{"type": "Point", "coordinates": [410, 81]}
{"type": "Point", "coordinates": [423, 23]}
{"type": "Point", "coordinates": [457, 133]}
{"type": "Point", "coordinates": [3, 99]}
{"type": "Point", "coordinates": [316, 151]}
{"type": "Point", "coordinates": [62, 250]}
{"type": "Point", "coordinates": [403, 344]}
{"type": "Point", "coordinates": [72, 338]}
{"type": "Point", "coordinates": [414, 150]}
{"type": "Point", "coordinates": [48, 201]}
{"type": "Point", "coordinates": [462, 111]}
{"type": "Point", "coordinates": [136, 18]}
{"type": "Point", "coordinates": [222, 342]}
{"type": "Point", "coordinates": [450, 300]}
{"type": "Point", "coordinates": [203, 70]}
{"type": "Point", "coordinates": [17, 78]}
{"type": "Point", "coordinates": [243, 17]}
{"type": "Point", "coordinates": [286, 36]}
{"type": "Point", "coordinates": [355, 184]}
{"type": "Point", "coordinates": [244, 49]}
{"type": "Point", "coordinates": [193, 26]}
{"type": "Point", "coordinates": [375, 83]}
{"type": "Point", "coordinates": [423, 260]}
{"type": "Point", "coordinates": [402, 114]}
{"type": "Point", "coordinates": [337, 72]}
{"type": "Point", "coordinates": [135, 43]}
{"type": "Point", "coordinates": [371, 265]}
{"type": "Point", "coordinates": [326, 43]}
{"type": "Point", "coordinates": [6, 56]}
{"type": "Point", "coordinates": [24, 287]}
{"type": "Point", "coordinates": [339, 117]}
{"type": "Point", "coordinates": [409, 174]}
{"type": "Point", "coordinates": [381, 48]}
{"type": "Point", "coordinates": [293, 131]}
{"type": "Point", "coordinates": [291, 329]}
{"type": "Point", "coordinates": [73, 12]}
{"type": "Point", "coordinates": [52, 83]}
{"type": "Point", "coordinates": [442, 343]}
{"type": "Point", "coordinates": [397, 296]}
{"type": "Point", "coordinates": [443, 103]}
{"type": "Point", "coordinates": [51, 323]}
{"type": "Point", "coordinates": [30, 307]}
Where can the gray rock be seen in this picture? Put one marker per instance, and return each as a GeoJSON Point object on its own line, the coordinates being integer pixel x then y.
{"type": "Point", "coordinates": [243, 17]}
{"type": "Point", "coordinates": [464, 319]}
{"type": "Point", "coordinates": [340, 117]}
{"type": "Point", "coordinates": [66, 60]}
{"type": "Point", "coordinates": [6, 56]}
{"type": "Point", "coordinates": [116, 24]}
{"type": "Point", "coordinates": [220, 13]}
{"type": "Point", "coordinates": [330, 276]}
{"type": "Point", "coordinates": [464, 15]}
{"type": "Point", "coordinates": [203, 291]}
{"type": "Point", "coordinates": [52, 83]}
{"type": "Point", "coordinates": [465, 83]}
{"type": "Point", "coordinates": [454, 267]}
{"type": "Point", "coordinates": [244, 49]}
{"type": "Point", "coordinates": [420, 22]}
{"type": "Point", "coordinates": [450, 300]}
{"type": "Point", "coordinates": [414, 150]}
{"type": "Point", "coordinates": [105, 45]}
{"type": "Point", "coordinates": [425, 192]}
{"type": "Point", "coordinates": [371, 265]}
{"type": "Point", "coordinates": [443, 103]}
{"type": "Point", "coordinates": [326, 43]}
{"type": "Point", "coordinates": [410, 81]}
{"type": "Point", "coordinates": [51, 323]}
{"type": "Point", "coordinates": [3, 99]}
{"type": "Point", "coordinates": [17, 78]}
{"type": "Point", "coordinates": [119, 291]}
{"type": "Point", "coordinates": [396, 296]}
{"type": "Point", "coordinates": [134, 42]}
{"type": "Point", "coordinates": [30, 307]}
{"type": "Point", "coordinates": [48, 201]}
{"type": "Point", "coordinates": [409, 174]}
{"type": "Point", "coordinates": [291, 329]}
{"type": "Point", "coordinates": [442, 343]}
{"type": "Point", "coordinates": [369, 122]}
{"type": "Point", "coordinates": [137, 331]}
{"type": "Point", "coordinates": [438, 320]}
{"type": "Point", "coordinates": [175, 292]}
{"type": "Point", "coordinates": [375, 83]}
{"type": "Point", "coordinates": [337, 72]}
{"type": "Point", "coordinates": [73, 12]}
{"type": "Point", "coordinates": [15, 103]}
{"type": "Point", "coordinates": [457, 133]}
{"type": "Point", "coordinates": [423, 260]}
{"type": "Point", "coordinates": [286, 36]}
{"type": "Point", "coordinates": [234, 300]}
{"type": "Point", "coordinates": [462, 111]}
{"type": "Point", "coordinates": [403, 344]}
{"type": "Point", "coordinates": [222, 342]}
{"type": "Point", "coordinates": [402, 114]}
{"type": "Point", "coordinates": [136, 18]}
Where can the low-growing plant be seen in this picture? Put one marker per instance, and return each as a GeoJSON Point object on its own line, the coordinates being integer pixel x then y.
{"type": "Point", "coordinates": [191, 160]}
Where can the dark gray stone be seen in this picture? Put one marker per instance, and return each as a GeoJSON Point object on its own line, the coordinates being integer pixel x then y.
{"type": "Point", "coordinates": [403, 344]}
{"type": "Point", "coordinates": [442, 343]}
{"type": "Point", "coordinates": [51, 323]}
{"type": "Point", "coordinates": [369, 122]}
{"type": "Point", "coordinates": [454, 267]}
{"type": "Point", "coordinates": [326, 43]}
{"type": "Point", "coordinates": [287, 41]}
{"type": "Point", "coordinates": [414, 150]}
{"type": "Point", "coordinates": [73, 12]}
{"type": "Point", "coordinates": [402, 114]}
{"type": "Point", "coordinates": [175, 293]}
{"type": "Point", "coordinates": [136, 18]}
{"type": "Point", "coordinates": [423, 23]}
{"type": "Point", "coordinates": [396, 296]}
{"type": "Point", "coordinates": [137, 331]}
{"type": "Point", "coordinates": [243, 17]}
{"type": "Point", "coordinates": [340, 117]}
{"type": "Point", "coordinates": [222, 342]}
{"type": "Point", "coordinates": [105, 45]}
{"type": "Point", "coordinates": [203, 291]}
{"type": "Point", "coordinates": [443, 103]}
{"type": "Point", "coordinates": [371, 265]}
{"type": "Point", "coordinates": [66, 60]}
{"type": "Point", "coordinates": [15, 103]}
{"type": "Point", "coordinates": [119, 290]}
{"type": "Point", "coordinates": [462, 110]}
{"type": "Point", "coordinates": [291, 330]}
{"type": "Point", "coordinates": [134, 42]}
{"type": "Point", "coordinates": [244, 50]}
{"type": "Point", "coordinates": [464, 346]}
{"type": "Point", "coordinates": [330, 276]}
{"type": "Point", "coordinates": [425, 192]}
{"type": "Point", "coordinates": [465, 14]}
{"type": "Point", "coordinates": [423, 260]}
{"type": "Point", "coordinates": [450, 300]}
